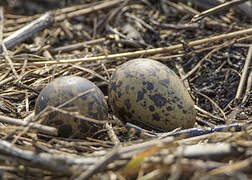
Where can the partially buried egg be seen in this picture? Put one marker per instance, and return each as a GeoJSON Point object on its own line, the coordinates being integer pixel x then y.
{"type": "Point", "coordinates": [72, 94]}
{"type": "Point", "coordinates": [147, 93]}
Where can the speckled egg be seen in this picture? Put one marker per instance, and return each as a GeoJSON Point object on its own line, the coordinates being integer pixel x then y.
{"type": "Point", "coordinates": [148, 94]}
{"type": "Point", "coordinates": [85, 98]}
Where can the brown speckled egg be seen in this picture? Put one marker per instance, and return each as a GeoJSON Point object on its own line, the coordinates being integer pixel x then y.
{"type": "Point", "coordinates": [149, 94]}
{"type": "Point", "coordinates": [91, 104]}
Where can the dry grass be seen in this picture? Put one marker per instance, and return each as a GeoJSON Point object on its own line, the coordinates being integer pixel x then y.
{"type": "Point", "coordinates": [212, 56]}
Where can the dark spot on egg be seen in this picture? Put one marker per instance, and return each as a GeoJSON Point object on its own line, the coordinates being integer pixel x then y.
{"type": "Point", "coordinates": [156, 117]}
{"type": "Point", "coordinates": [119, 94]}
{"type": "Point", "coordinates": [128, 74]}
{"type": "Point", "coordinates": [180, 106]}
{"type": "Point", "coordinates": [84, 126]}
{"type": "Point", "coordinates": [127, 88]}
{"type": "Point", "coordinates": [158, 100]}
{"type": "Point", "coordinates": [142, 76]}
{"type": "Point", "coordinates": [144, 104]}
{"type": "Point", "coordinates": [127, 104]}
{"type": "Point", "coordinates": [140, 95]}
{"type": "Point", "coordinates": [169, 108]}
{"type": "Point", "coordinates": [149, 86]}
{"type": "Point", "coordinates": [58, 122]}
{"type": "Point", "coordinates": [65, 130]}
{"type": "Point", "coordinates": [151, 108]}
{"type": "Point", "coordinates": [113, 86]}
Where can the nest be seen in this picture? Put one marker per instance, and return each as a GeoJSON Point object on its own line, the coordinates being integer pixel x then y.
{"type": "Point", "coordinates": [210, 50]}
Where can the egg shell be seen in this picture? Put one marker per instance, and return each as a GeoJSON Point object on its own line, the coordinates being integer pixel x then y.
{"type": "Point", "coordinates": [91, 104]}
{"type": "Point", "coordinates": [147, 93]}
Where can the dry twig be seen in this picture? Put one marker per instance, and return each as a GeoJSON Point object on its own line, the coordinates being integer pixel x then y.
{"type": "Point", "coordinates": [149, 51]}
{"type": "Point", "coordinates": [217, 9]}
{"type": "Point", "coordinates": [28, 31]}
{"type": "Point", "coordinates": [21, 122]}
{"type": "Point", "coordinates": [245, 73]}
